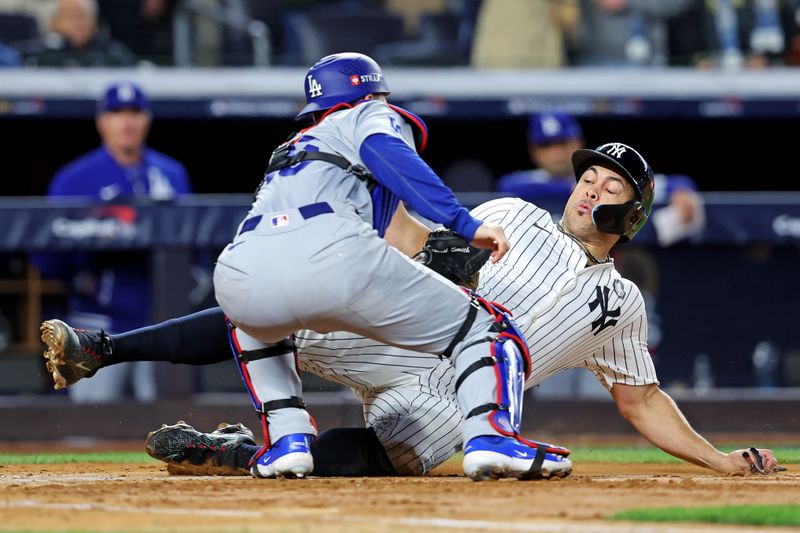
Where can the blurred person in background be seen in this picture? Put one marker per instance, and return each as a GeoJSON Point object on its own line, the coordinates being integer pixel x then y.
{"type": "Point", "coordinates": [737, 34]}
{"type": "Point", "coordinates": [41, 10]}
{"type": "Point", "coordinates": [143, 26]}
{"type": "Point", "coordinates": [552, 138]}
{"type": "Point", "coordinates": [9, 57]}
{"type": "Point", "coordinates": [111, 290]}
{"type": "Point", "coordinates": [523, 33]}
{"type": "Point", "coordinates": [74, 40]}
{"type": "Point", "coordinates": [23, 21]}
{"type": "Point", "coordinates": [625, 32]}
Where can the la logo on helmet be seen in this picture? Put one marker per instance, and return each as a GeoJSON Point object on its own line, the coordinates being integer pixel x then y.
{"type": "Point", "coordinates": [314, 88]}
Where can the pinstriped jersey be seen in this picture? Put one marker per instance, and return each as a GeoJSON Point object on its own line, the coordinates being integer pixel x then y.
{"type": "Point", "coordinates": [571, 315]}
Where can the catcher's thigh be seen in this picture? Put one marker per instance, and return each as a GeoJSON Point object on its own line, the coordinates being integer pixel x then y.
{"type": "Point", "coordinates": [418, 430]}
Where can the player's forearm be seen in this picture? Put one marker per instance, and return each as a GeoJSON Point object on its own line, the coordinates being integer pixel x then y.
{"type": "Point", "coordinates": [657, 418]}
{"type": "Point", "coordinates": [406, 233]}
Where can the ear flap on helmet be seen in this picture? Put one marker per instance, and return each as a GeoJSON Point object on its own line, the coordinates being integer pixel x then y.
{"type": "Point", "coordinates": [624, 220]}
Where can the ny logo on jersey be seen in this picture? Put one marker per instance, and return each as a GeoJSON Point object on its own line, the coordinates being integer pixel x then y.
{"type": "Point", "coordinates": [314, 88]}
{"type": "Point", "coordinates": [602, 300]}
{"type": "Point", "coordinates": [617, 150]}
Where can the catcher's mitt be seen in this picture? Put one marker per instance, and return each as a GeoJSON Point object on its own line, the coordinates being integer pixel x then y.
{"type": "Point", "coordinates": [449, 254]}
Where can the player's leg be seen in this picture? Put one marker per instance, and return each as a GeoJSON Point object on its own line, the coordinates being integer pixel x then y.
{"type": "Point", "coordinates": [418, 428]}
{"type": "Point", "coordinates": [404, 304]}
{"type": "Point", "coordinates": [505, 453]}
{"type": "Point", "coordinates": [269, 371]}
{"type": "Point", "coordinates": [73, 354]}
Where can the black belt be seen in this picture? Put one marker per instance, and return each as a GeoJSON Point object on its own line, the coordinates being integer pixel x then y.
{"type": "Point", "coordinates": [306, 211]}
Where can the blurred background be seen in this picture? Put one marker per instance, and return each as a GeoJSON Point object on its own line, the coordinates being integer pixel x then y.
{"type": "Point", "coordinates": [707, 90]}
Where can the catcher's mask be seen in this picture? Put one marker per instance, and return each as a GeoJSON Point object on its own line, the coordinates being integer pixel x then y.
{"type": "Point", "coordinates": [625, 219]}
{"type": "Point", "coordinates": [341, 78]}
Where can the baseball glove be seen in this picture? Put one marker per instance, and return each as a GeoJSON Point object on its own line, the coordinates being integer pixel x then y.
{"type": "Point", "coordinates": [449, 254]}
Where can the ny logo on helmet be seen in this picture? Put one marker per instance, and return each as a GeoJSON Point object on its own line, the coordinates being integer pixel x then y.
{"type": "Point", "coordinates": [617, 150]}
{"type": "Point", "coordinates": [314, 88]}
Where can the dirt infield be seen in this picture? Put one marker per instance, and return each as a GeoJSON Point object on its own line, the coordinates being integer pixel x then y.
{"type": "Point", "coordinates": [142, 497]}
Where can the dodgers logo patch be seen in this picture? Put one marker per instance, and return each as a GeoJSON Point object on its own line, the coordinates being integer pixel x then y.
{"type": "Point", "coordinates": [280, 221]}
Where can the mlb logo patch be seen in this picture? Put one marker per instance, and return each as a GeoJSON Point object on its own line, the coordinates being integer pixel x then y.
{"type": "Point", "coordinates": [280, 221]}
{"type": "Point", "coordinates": [355, 80]}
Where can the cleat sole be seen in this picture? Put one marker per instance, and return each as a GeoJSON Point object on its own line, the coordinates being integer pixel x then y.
{"type": "Point", "coordinates": [486, 465]}
{"type": "Point", "coordinates": [53, 334]}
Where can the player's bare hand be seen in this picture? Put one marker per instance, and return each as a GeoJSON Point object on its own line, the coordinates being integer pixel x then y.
{"type": "Point", "coordinates": [751, 461]}
{"type": "Point", "coordinates": [492, 237]}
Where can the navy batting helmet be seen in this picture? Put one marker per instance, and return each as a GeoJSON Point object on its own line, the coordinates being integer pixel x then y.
{"type": "Point", "coordinates": [620, 219]}
{"type": "Point", "coordinates": [341, 78]}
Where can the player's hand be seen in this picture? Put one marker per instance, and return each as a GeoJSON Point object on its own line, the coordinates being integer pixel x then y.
{"type": "Point", "coordinates": [750, 461]}
{"type": "Point", "coordinates": [492, 237]}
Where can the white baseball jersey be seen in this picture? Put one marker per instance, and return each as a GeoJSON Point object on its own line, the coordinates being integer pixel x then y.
{"type": "Point", "coordinates": [571, 314]}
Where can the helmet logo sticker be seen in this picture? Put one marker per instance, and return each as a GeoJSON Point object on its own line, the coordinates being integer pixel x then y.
{"type": "Point", "coordinates": [617, 150]}
{"type": "Point", "coordinates": [314, 87]}
{"type": "Point", "coordinates": [355, 80]}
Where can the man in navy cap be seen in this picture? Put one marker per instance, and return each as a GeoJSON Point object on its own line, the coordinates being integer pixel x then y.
{"type": "Point", "coordinates": [552, 138]}
{"type": "Point", "coordinates": [111, 291]}
{"type": "Point", "coordinates": [123, 166]}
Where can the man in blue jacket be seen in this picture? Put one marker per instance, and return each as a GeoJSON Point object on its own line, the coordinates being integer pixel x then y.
{"type": "Point", "coordinates": [111, 290]}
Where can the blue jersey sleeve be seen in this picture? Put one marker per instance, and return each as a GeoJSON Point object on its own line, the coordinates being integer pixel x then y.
{"type": "Point", "coordinates": [394, 164]}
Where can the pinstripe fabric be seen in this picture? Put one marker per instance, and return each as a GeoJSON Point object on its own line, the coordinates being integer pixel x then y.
{"type": "Point", "coordinates": [566, 310]}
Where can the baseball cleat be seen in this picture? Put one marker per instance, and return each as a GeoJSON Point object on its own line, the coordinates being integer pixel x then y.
{"type": "Point", "coordinates": [493, 457]}
{"type": "Point", "coordinates": [289, 457]}
{"type": "Point", "coordinates": [73, 354]}
{"type": "Point", "coordinates": [225, 451]}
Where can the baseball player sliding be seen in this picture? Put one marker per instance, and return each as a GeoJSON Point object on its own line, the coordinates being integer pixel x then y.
{"type": "Point", "coordinates": [572, 307]}
{"type": "Point", "coordinates": [309, 255]}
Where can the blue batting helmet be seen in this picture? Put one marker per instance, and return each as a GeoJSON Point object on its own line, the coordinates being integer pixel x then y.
{"type": "Point", "coordinates": [341, 78]}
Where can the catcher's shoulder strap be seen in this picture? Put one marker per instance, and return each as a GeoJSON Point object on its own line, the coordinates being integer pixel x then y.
{"type": "Point", "coordinates": [281, 159]}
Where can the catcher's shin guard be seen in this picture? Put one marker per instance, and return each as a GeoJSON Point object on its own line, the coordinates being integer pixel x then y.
{"type": "Point", "coordinates": [270, 375]}
{"type": "Point", "coordinates": [511, 362]}
{"type": "Point", "coordinates": [502, 451]}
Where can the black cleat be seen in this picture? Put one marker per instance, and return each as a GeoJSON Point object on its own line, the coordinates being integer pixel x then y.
{"type": "Point", "coordinates": [188, 452]}
{"type": "Point", "coordinates": [73, 354]}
